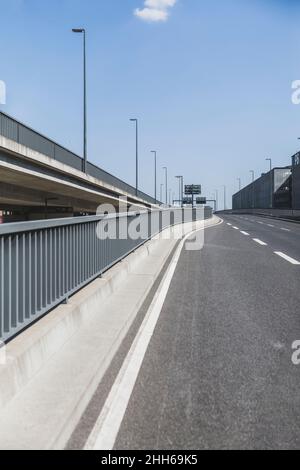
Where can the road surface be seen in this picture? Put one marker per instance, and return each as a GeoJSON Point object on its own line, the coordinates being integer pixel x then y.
{"type": "Point", "coordinates": [218, 372]}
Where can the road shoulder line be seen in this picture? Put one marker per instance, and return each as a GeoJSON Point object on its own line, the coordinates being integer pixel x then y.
{"type": "Point", "coordinates": [106, 429]}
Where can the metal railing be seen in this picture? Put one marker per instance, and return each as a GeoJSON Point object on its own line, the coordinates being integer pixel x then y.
{"type": "Point", "coordinates": [24, 135]}
{"type": "Point", "coordinates": [43, 263]}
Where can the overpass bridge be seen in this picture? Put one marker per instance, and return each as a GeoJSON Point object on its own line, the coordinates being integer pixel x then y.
{"type": "Point", "coordinates": [171, 349]}
{"type": "Point", "coordinates": [41, 179]}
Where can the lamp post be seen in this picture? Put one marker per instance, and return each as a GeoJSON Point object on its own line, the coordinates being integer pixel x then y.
{"type": "Point", "coordinates": [180, 180]}
{"type": "Point", "coordinates": [155, 174]}
{"type": "Point", "coordinates": [214, 200]}
{"type": "Point", "coordinates": [269, 160]}
{"type": "Point", "coordinates": [161, 192]}
{"type": "Point", "coordinates": [253, 178]}
{"type": "Point", "coordinates": [225, 205]}
{"type": "Point", "coordinates": [83, 31]}
{"type": "Point", "coordinates": [271, 189]}
{"type": "Point", "coordinates": [217, 199]}
{"type": "Point", "coordinates": [136, 155]}
{"type": "Point", "coordinates": [166, 175]}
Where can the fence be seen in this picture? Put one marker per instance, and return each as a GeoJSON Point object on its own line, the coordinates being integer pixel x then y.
{"type": "Point", "coordinates": [43, 263]}
{"type": "Point", "coordinates": [24, 135]}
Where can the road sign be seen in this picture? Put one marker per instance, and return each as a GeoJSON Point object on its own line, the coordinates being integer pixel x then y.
{"type": "Point", "coordinates": [193, 189]}
{"type": "Point", "coordinates": [187, 201]}
{"type": "Point", "coordinates": [201, 200]}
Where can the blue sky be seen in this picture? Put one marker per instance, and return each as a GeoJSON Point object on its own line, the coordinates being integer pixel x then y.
{"type": "Point", "coordinates": [211, 83]}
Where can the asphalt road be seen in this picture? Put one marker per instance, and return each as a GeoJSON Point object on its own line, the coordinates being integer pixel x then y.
{"type": "Point", "coordinates": [218, 372]}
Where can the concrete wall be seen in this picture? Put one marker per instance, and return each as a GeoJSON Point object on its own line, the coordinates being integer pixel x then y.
{"type": "Point", "coordinates": [281, 213]}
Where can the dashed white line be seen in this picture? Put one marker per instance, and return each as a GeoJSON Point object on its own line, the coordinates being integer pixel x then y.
{"type": "Point", "coordinates": [245, 233]}
{"type": "Point", "coordinates": [256, 240]}
{"type": "Point", "coordinates": [285, 229]}
{"type": "Point", "coordinates": [236, 228]}
{"type": "Point", "coordinates": [270, 225]}
{"type": "Point", "coordinates": [229, 224]}
{"type": "Point", "coordinates": [261, 223]}
{"type": "Point", "coordinates": [287, 258]}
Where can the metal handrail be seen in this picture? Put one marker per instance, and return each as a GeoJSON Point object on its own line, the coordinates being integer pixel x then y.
{"type": "Point", "coordinates": [43, 263]}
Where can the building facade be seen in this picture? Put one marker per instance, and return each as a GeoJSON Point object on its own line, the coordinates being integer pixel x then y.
{"type": "Point", "coordinates": [273, 190]}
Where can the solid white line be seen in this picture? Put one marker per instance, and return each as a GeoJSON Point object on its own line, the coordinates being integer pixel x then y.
{"type": "Point", "coordinates": [287, 258]}
{"type": "Point", "coordinates": [236, 228]}
{"type": "Point", "coordinates": [259, 242]}
{"type": "Point", "coordinates": [285, 229]}
{"type": "Point", "coordinates": [106, 429]}
{"type": "Point", "coordinates": [245, 233]}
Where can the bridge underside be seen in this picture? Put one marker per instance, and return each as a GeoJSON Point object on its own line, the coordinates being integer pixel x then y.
{"type": "Point", "coordinates": [29, 192]}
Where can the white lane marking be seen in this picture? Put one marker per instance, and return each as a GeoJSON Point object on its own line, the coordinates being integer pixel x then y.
{"type": "Point", "coordinates": [245, 233]}
{"type": "Point", "coordinates": [260, 223]}
{"type": "Point", "coordinates": [107, 427]}
{"type": "Point", "coordinates": [229, 224]}
{"type": "Point", "coordinates": [256, 240]}
{"type": "Point", "coordinates": [287, 258]}
{"type": "Point", "coordinates": [270, 225]}
{"type": "Point", "coordinates": [236, 228]}
{"type": "Point", "coordinates": [285, 229]}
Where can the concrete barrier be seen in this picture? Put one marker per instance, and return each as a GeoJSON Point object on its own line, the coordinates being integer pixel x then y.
{"type": "Point", "coordinates": [28, 352]}
{"type": "Point", "coordinates": [275, 213]}
{"type": "Point", "coordinates": [54, 367]}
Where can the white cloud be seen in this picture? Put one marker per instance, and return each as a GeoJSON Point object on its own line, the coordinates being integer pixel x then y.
{"type": "Point", "coordinates": [155, 10]}
{"type": "Point", "coordinates": [160, 4]}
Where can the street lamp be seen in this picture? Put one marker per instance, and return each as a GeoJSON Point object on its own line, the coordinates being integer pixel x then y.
{"type": "Point", "coordinates": [225, 205]}
{"type": "Point", "coordinates": [217, 199]}
{"type": "Point", "coordinates": [82, 31]}
{"type": "Point", "coordinates": [155, 173]}
{"type": "Point", "coordinates": [161, 192]}
{"type": "Point", "coordinates": [271, 189]}
{"type": "Point", "coordinates": [166, 174]}
{"type": "Point", "coordinates": [253, 178]}
{"type": "Point", "coordinates": [136, 155]}
{"type": "Point", "coordinates": [180, 180]}
{"type": "Point", "coordinates": [269, 160]}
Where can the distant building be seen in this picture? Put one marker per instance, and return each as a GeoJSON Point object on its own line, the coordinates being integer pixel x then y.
{"type": "Point", "coordinates": [271, 190]}
{"type": "Point", "coordinates": [296, 181]}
